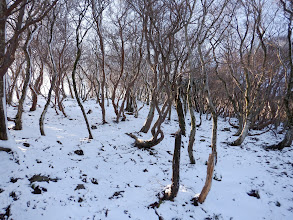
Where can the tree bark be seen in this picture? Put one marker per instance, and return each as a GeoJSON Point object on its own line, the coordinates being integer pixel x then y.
{"type": "Point", "coordinates": [175, 169]}
{"type": "Point", "coordinates": [210, 170]}
{"type": "Point", "coordinates": [243, 134]}
{"type": "Point", "coordinates": [148, 122]}
{"type": "Point", "coordinates": [28, 73]}
{"type": "Point", "coordinates": [3, 116]}
{"type": "Point", "coordinates": [54, 78]}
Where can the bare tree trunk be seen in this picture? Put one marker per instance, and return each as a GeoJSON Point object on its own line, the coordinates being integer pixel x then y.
{"type": "Point", "coordinates": [36, 89]}
{"type": "Point", "coordinates": [3, 116]}
{"type": "Point", "coordinates": [70, 89]}
{"type": "Point", "coordinates": [244, 132]}
{"type": "Point", "coordinates": [15, 76]}
{"type": "Point", "coordinates": [180, 114]}
{"type": "Point", "coordinates": [210, 170]}
{"type": "Point", "coordinates": [148, 122]}
{"type": "Point", "coordinates": [288, 99]}
{"type": "Point", "coordinates": [54, 78]}
{"type": "Point", "coordinates": [28, 70]}
{"type": "Point", "coordinates": [175, 169]}
{"type": "Point", "coordinates": [193, 125]}
{"type": "Point", "coordinates": [189, 101]}
{"type": "Point", "coordinates": [79, 37]}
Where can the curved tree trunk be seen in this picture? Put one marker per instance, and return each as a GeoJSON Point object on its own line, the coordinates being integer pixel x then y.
{"type": "Point", "coordinates": [36, 89]}
{"type": "Point", "coordinates": [148, 122]}
{"type": "Point", "coordinates": [79, 38]}
{"type": "Point", "coordinates": [28, 73]}
{"type": "Point", "coordinates": [189, 101]}
{"type": "Point", "coordinates": [244, 132]}
{"type": "Point", "coordinates": [76, 92]}
{"type": "Point", "coordinates": [54, 78]}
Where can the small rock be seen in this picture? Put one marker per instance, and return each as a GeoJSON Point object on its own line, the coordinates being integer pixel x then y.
{"type": "Point", "coordinates": [254, 193]}
{"type": "Point", "coordinates": [37, 190]}
{"type": "Point", "coordinates": [94, 181]}
{"type": "Point", "coordinates": [145, 170]}
{"type": "Point", "coordinates": [80, 200]}
{"type": "Point", "coordinates": [13, 195]}
{"type": "Point", "coordinates": [26, 144]}
{"type": "Point", "coordinates": [79, 186]}
{"type": "Point", "coordinates": [94, 127]}
{"type": "Point", "coordinates": [194, 201]}
{"type": "Point", "coordinates": [89, 111]}
{"type": "Point", "coordinates": [14, 180]}
{"type": "Point", "coordinates": [217, 178]}
{"type": "Point", "coordinates": [117, 195]}
{"type": "Point", "coordinates": [59, 142]}
{"type": "Point", "coordinates": [278, 204]}
{"type": "Point", "coordinates": [79, 152]}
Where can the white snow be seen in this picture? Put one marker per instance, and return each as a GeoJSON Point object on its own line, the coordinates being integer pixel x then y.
{"type": "Point", "coordinates": [129, 178]}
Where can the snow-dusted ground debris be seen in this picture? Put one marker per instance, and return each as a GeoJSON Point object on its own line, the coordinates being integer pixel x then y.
{"type": "Point", "coordinates": [63, 175]}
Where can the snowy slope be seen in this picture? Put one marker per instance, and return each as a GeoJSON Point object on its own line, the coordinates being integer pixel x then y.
{"type": "Point", "coordinates": [115, 180]}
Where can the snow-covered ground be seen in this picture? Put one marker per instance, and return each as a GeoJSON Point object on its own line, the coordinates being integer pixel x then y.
{"type": "Point", "coordinates": [115, 180]}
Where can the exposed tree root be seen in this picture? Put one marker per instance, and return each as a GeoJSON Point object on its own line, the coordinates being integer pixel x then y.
{"type": "Point", "coordinates": [146, 143]}
{"type": "Point", "coordinates": [7, 150]}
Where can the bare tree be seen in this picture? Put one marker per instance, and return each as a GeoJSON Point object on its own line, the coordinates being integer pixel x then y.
{"type": "Point", "coordinates": [288, 98]}
{"type": "Point", "coordinates": [35, 11]}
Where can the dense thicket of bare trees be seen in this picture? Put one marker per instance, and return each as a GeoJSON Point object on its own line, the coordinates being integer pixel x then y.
{"type": "Point", "coordinates": [229, 58]}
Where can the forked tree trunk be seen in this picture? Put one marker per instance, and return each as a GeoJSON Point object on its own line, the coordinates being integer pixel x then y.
{"type": "Point", "coordinates": [15, 76]}
{"type": "Point", "coordinates": [36, 90]}
{"type": "Point", "coordinates": [170, 195]}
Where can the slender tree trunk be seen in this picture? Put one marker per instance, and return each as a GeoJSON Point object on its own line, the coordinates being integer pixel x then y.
{"type": "Point", "coordinates": [193, 125]}
{"type": "Point", "coordinates": [3, 116]}
{"type": "Point", "coordinates": [76, 92]}
{"type": "Point", "coordinates": [12, 87]}
{"type": "Point", "coordinates": [288, 99]}
{"type": "Point", "coordinates": [180, 114]}
{"type": "Point", "coordinates": [53, 82]}
{"type": "Point", "coordinates": [28, 73]}
{"type": "Point", "coordinates": [189, 101]}
{"type": "Point", "coordinates": [175, 169]}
